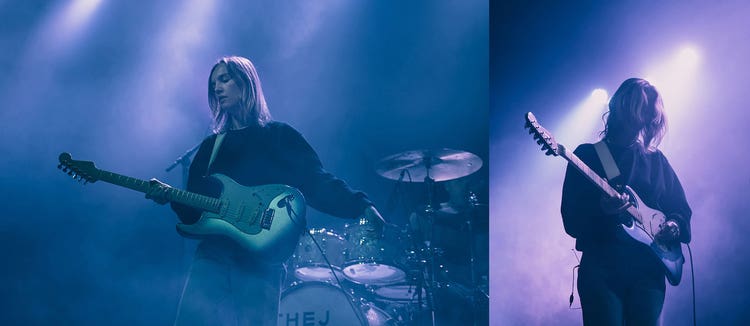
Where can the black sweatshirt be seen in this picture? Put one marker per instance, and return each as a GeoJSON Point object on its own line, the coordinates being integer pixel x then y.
{"type": "Point", "coordinates": [273, 154]}
{"type": "Point", "coordinates": [647, 173]}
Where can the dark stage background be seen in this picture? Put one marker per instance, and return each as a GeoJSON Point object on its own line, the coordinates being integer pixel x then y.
{"type": "Point", "coordinates": [123, 83]}
{"type": "Point", "coordinates": [549, 58]}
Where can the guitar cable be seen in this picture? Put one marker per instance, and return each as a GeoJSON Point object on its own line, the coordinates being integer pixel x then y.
{"type": "Point", "coordinates": [292, 215]}
{"type": "Point", "coordinates": [573, 283]}
{"type": "Point", "coordinates": [692, 281]}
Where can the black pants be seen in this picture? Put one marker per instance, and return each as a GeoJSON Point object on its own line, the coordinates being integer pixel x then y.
{"type": "Point", "coordinates": [225, 289]}
{"type": "Point", "coordinates": [620, 292]}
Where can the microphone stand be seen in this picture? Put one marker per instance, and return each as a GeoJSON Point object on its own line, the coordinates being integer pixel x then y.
{"type": "Point", "coordinates": [473, 202]}
{"type": "Point", "coordinates": [184, 161]}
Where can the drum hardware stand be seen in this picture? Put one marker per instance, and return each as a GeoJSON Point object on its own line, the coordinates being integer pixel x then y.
{"type": "Point", "coordinates": [428, 166]}
{"type": "Point", "coordinates": [397, 194]}
{"type": "Point", "coordinates": [473, 203]}
{"type": "Point", "coordinates": [430, 213]}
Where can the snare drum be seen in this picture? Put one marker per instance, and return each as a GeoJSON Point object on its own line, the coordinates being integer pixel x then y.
{"type": "Point", "coordinates": [308, 262]}
{"type": "Point", "coordinates": [372, 257]}
{"type": "Point", "coordinates": [318, 303]}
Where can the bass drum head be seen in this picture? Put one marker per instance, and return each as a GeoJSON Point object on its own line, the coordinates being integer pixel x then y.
{"type": "Point", "coordinates": [318, 303]}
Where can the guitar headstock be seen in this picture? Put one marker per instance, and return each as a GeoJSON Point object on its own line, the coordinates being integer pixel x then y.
{"type": "Point", "coordinates": [542, 136]}
{"type": "Point", "coordinates": [80, 170]}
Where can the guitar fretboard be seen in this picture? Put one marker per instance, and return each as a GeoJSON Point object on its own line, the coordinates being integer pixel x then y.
{"type": "Point", "coordinates": [602, 184]}
{"type": "Point", "coordinates": [177, 195]}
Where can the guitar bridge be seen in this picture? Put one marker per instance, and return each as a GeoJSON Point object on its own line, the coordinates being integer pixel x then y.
{"type": "Point", "coordinates": [267, 219]}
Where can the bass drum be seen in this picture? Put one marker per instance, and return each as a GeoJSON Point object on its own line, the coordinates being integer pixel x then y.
{"type": "Point", "coordinates": [319, 303]}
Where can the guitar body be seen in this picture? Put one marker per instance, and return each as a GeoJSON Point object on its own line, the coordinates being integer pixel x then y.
{"type": "Point", "coordinates": [644, 229]}
{"type": "Point", "coordinates": [264, 220]}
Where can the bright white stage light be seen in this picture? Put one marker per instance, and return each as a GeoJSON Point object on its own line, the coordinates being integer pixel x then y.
{"type": "Point", "coordinates": [582, 123]}
{"type": "Point", "coordinates": [676, 79]}
{"type": "Point", "coordinates": [688, 57]}
{"type": "Point", "coordinates": [675, 73]}
{"type": "Point", "coordinates": [61, 30]}
{"type": "Point", "coordinates": [599, 97]}
{"type": "Point", "coordinates": [79, 11]}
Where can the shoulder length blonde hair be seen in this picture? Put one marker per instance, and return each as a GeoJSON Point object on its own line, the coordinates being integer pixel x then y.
{"type": "Point", "coordinates": [253, 110]}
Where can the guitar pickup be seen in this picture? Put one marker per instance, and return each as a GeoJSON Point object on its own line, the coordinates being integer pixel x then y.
{"type": "Point", "coordinates": [267, 219]}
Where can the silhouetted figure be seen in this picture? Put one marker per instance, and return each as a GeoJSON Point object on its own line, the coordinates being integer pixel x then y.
{"type": "Point", "coordinates": [620, 280]}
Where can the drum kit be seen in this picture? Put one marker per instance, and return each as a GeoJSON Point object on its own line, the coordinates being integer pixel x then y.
{"type": "Point", "coordinates": [400, 275]}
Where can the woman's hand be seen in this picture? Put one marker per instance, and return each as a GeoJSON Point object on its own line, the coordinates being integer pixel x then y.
{"type": "Point", "coordinates": [669, 231]}
{"type": "Point", "coordinates": [158, 191]}
{"type": "Point", "coordinates": [615, 205]}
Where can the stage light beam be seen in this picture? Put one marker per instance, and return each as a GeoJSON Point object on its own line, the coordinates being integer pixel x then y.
{"type": "Point", "coordinates": [581, 124]}
{"type": "Point", "coordinates": [66, 25]}
{"type": "Point", "coordinates": [676, 79]}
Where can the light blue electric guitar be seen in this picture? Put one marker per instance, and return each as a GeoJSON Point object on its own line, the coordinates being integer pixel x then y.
{"type": "Point", "coordinates": [642, 223]}
{"type": "Point", "coordinates": [265, 220]}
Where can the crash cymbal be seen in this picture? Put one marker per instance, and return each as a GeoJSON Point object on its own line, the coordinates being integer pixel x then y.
{"type": "Point", "coordinates": [439, 164]}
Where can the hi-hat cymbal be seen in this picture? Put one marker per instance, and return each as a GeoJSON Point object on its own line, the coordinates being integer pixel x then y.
{"type": "Point", "coordinates": [439, 164]}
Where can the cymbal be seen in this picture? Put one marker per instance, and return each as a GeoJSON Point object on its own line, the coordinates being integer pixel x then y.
{"type": "Point", "coordinates": [439, 164]}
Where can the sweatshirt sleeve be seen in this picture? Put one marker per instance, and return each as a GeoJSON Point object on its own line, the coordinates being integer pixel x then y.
{"type": "Point", "coordinates": [673, 202]}
{"type": "Point", "coordinates": [322, 190]}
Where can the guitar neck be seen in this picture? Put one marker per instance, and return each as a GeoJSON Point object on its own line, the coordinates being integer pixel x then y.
{"type": "Point", "coordinates": [175, 195]}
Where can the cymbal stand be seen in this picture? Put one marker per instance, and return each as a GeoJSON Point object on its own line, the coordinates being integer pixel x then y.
{"type": "Point", "coordinates": [473, 202]}
{"type": "Point", "coordinates": [430, 213]}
